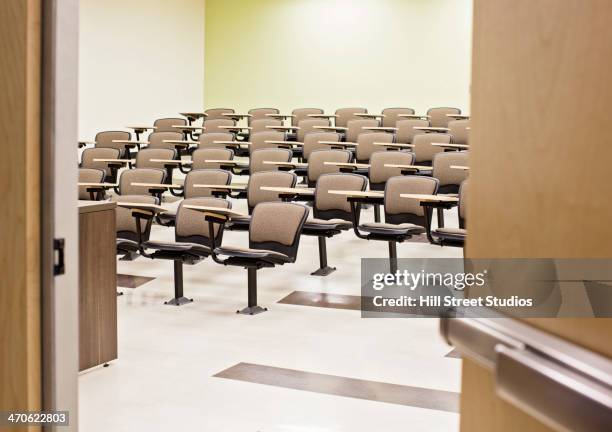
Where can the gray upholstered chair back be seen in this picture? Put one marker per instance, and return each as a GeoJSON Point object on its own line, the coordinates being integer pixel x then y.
{"type": "Point", "coordinates": [140, 175]}
{"type": "Point", "coordinates": [459, 131]}
{"type": "Point", "coordinates": [167, 124]}
{"type": "Point", "coordinates": [145, 157]}
{"type": "Point", "coordinates": [356, 127]}
{"type": "Point", "coordinates": [157, 139]}
{"type": "Point", "coordinates": [300, 114]}
{"type": "Point", "coordinates": [450, 178]}
{"type": "Point", "coordinates": [391, 118]}
{"type": "Point", "coordinates": [259, 157]}
{"type": "Point", "coordinates": [317, 166]}
{"type": "Point", "coordinates": [379, 173]}
{"type": "Point", "coordinates": [405, 130]}
{"type": "Point", "coordinates": [217, 113]}
{"type": "Point", "coordinates": [423, 148]}
{"type": "Point", "coordinates": [344, 115]}
{"type": "Point", "coordinates": [366, 144]}
{"type": "Point", "coordinates": [202, 155]}
{"type": "Point", "coordinates": [89, 175]}
{"type": "Point", "coordinates": [89, 155]}
{"type": "Point", "coordinates": [438, 118]}
{"type": "Point", "coordinates": [271, 179]}
{"type": "Point", "coordinates": [205, 177]}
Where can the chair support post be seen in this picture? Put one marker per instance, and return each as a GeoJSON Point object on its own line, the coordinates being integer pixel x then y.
{"type": "Point", "coordinates": [392, 257]}
{"type": "Point", "coordinates": [252, 308]}
{"type": "Point", "coordinates": [376, 213]}
{"type": "Point", "coordinates": [324, 269]}
{"type": "Point", "coordinates": [178, 299]}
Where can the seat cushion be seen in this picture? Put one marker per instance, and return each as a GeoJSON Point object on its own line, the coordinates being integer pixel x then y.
{"type": "Point", "coordinates": [193, 248]}
{"type": "Point", "coordinates": [392, 229]}
{"type": "Point", "coordinates": [127, 245]}
{"type": "Point", "coordinates": [450, 233]}
{"type": "Point", "coordinates": [234, 251]}
{"type": "Point", "coordinates": [322, 224]}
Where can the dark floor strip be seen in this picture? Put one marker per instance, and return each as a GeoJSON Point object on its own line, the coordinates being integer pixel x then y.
{"type": "Point", "coordinates": [129, 281]}
{"type": "Point", "coordinates": [453, 354]}
{"type": "Point", "coordinates": [324, 300]}
{"type": "Point", "coordinates": [341, 386]}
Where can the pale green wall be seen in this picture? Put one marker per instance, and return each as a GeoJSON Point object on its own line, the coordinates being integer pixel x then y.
{"type": "Point", "coordinates": [332, 53]}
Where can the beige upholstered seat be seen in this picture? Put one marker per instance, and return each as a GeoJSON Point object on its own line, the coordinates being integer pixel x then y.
{"type": "Point", "coordinates": [89, 175]}
{"type": "Point", "coordinates": [217, 125]}
{"type": "Point", "coordinates": [217, 113]}
{"type": "Point", "coordinates": [107, 140]}
{"type": "Point", "coordinates": [205, 177]}
{"type": "Point", "coordinates": [145, 158]}
{"type": "Point", "coordinates": [365, 144]}
{"type": "Point", "coordinates": [89, 155]}
{"type": "Point", "coordinates": [317, 166]}
{"type": "Point", "coordinates": [310, 125]}
{"type": "Point", "coordinates": [459, 131]}
{"type": "Point", "coordinates": [345, 115]}
{"type": "Point", "coordinates": [379, 173]}
{"type": "Point", "coordinates": [259, 140]}
{"type": "Point", "coordinates": [405, 130]}
{"type": "Point", "coordinates": [140, 175]}
{"type": "Point", "coordinates": [258, 157]}
{"type": "Point", "coordinates": [300, 114]}
{"type": "Point", "coordinates": [391, 118]}
{"type": "Point", "coordinates": [312, 142]}
{"type": "Point", "coordinates": [356, 127]}
{"type": "Point", "coordinates": [438, 116]}
{"type": "Point", "coordinates": [202, 155]}
{"type": "Point", "coordinates": [423, 148]}
{"type": "Point", "coordinates": [157, 139]}
{"type": "Point", "coordinates": [167, 124]}
{"type": "Point", "coordinates": [209, 139]}
{"type": "Point", "coordinates": [450, 178]}
{"type": "Point", "coordinates": [261, 124]}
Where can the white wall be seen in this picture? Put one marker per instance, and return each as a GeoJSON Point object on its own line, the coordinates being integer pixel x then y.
{"type": "Point", "coordinates": [333, 53]}
{"type": "Point", "coordinates": [139, 60]}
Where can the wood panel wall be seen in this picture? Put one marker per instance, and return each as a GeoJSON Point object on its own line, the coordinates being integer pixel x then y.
{"type": "Point", "coordinates": [20, 59]}
{"type": "Point", "coordinates": [540, 159]}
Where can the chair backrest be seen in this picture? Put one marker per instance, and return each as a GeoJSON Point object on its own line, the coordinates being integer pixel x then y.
{"type": "Point", "coordinates": [156, 139]}
{"type": "Point", "coordinates": [261, 124]}
{"type": "Point", "coordinates": [355, 128]}
{"type": "Point", "coordinates": [88, 156]}
{"type": "Point", "coordinates": [89, 175]}
{"type": "Point", "coordinates": [261, 113]}
{"type": "Point", "coordinates": [366, 146]}
{"type": "Point", "coordinates": [214, 125]}
{"type": "Point", "coordinates": [217, 113]}
{"type": "Point", "coordinates": [459, 131]}
{"type": "Point", "coordinates": [463, 197]}
{"type": "Point", "coordinates": [300, 114]}
{"type": "Point", "coordinates": [312, 142]}
{"type": "Point", "coordinates": [317, 166]}
{"type": "Point", "coordinates": [277, 227]}
{"type": "Point", "coordinates": [450, 178]}
{"type": "Point", "coordinates": [207, 139]}
{"type": "Point", "coordinates": [407, 210]}
{"type": "Point", "coordinates": [271, 179]}
{"type": "Point", "coordinates": [379, 173]}
{"type": "Point", "coordinates": [438, 118]}
{"type": "Point", "coordinates": [308, 125]}
{"type": "Point", "coordinates": [423, 148]}
{"type": "Point", "coordinates": [405, 130]}
{"type": "Point", "coordinates": [259, 139]}
{"type": "Point", "coordinates": [191, 225]}
{"type": "Point", "coordinates": [126, 223]}
{"type": "Point", "coordinates": [200, 156]}
{"type": "Point", "coordinates": [205, 177]}
{"type": "Point", "coordinates": [258, 157]}
{"type": "Point", "coordinates": [140, 175]}
{"type": "Point", "coordinates": [105, 140]}
{"type": "Point", "coordinates": [332, 206]}
{"type": "Point", "coordinates": [167, 124]}
{"type": "Point", "coordinates": [344, 115]}
{"type": "Point", "coordinates": [391, 118]}
{"type": "Point", "coordinates": [144, 156]}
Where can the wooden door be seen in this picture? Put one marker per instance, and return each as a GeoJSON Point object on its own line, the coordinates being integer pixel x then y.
{"type": "Point", "coordinates": [540, 160]}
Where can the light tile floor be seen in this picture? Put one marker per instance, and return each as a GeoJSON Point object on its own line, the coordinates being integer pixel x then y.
{"type": "Point", "coordinates": [163, 379]}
